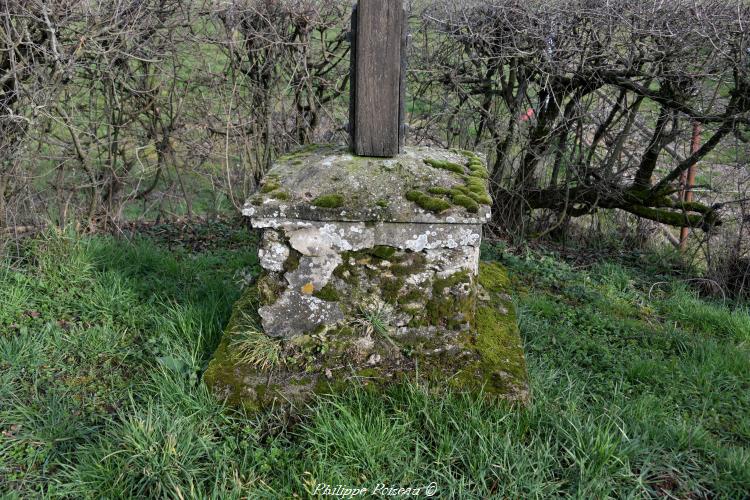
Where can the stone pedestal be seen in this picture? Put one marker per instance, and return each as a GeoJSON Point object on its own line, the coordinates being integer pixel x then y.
{"type": "Point", "coordinates": [370, 271]}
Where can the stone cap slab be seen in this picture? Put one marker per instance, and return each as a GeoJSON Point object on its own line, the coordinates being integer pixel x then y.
{"type": "Point", "coordinates": [329, 183]}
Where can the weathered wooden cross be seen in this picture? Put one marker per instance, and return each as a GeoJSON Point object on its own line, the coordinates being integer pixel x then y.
{"type": "Point", "coordinates": [377, 78]}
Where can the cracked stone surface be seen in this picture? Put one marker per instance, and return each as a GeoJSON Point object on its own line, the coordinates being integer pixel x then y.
{"type": "Point", "coordinates": [315, 271]}
{"type": "Point", "coordinates": [318, 238]}
{"type": "Point", "coordinates": [429, 251]}
{"type": "Point", "coordinates": [295, 312]}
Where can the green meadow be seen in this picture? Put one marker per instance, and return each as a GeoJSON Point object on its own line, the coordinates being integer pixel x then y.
{"type": "Point", "coordinates": [640, 387]}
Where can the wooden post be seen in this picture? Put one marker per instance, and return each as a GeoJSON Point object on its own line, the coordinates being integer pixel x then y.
{"type": "Point", "coordinates": [377, 77]}
{"type": "Point", "coordinates": [687, 180]}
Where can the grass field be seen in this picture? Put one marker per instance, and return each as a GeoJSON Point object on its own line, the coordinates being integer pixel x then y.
{"type": "Point", "coordinates": [640, 388]}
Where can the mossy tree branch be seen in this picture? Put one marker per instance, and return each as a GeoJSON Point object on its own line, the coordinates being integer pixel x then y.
{"type": "Point", "coordinates": [583, 200]}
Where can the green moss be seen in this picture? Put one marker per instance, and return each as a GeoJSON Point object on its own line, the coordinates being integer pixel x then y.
{"type": "Point", "coordinates": [495, 329]}
{"type": "Point", "coordinates": [413, 195]}
{"type": "Point", "coordinates": [673, 218]}
{"type": "Point", "coordinates": [222, 374]}
{"type": "Point", "coordinates": [483, 199]}
{"type": "Point", "coordinates": [382, 252]}
{"type": "Point", "coordinates": [469, 196]}
{"type": "Point", "coordinates": [466, 202]}
{"type": "Point", "coordinates": [327, 293]}
{"type": "Point", "coordinates": [269, 288]}
{"type": "Point", "coordinates": [495, 361]}
{"type": "Point", "coordinates": [427, 202]}
{"type": "Point", "coordinates": [411, 296]}
{"type": "Point", "coordinates": [335, 386]}
{"type": "Point", "coordinates": [448, 309]}
{"type": "Point", "coordinates": [501, 367]}
{"type": "Point", "coordinates": [479, 171]}
{"type": "Point", "coordinates": [329, 201]}
{"type": "Point", "coordinates": [439, 190]}
{"type": "Point", "coordinates": [476, 185]}
{"type": "Point", "coordinates": [301, 152]}
{"type": "Point", "coordinates": [292, 262]}
{"type": "Point", "coordinates": [301, 340]}
{"type": "Point", "coordinates": [345, 270]}
{"type": "Point", "coordinates": [478, 190]}
{"type": "Point", "coordinates": [382, 203]}
{"type": "Point", "coordinates": [439, 285]}
{"type": "Point", "coordinates": [269, 185]}
{"type": "Point", "coordinates": [468, 154]}
{"type": "Point", "coordinates": [390, 289]}
{"type": "Point", "coordinates": [279, 195]}
{"type": "Point", "coordinates": [494, 277]}
{"type": "Point", "coordinates": [409, 263]}
{"type": "Point", "coordinates": [445, 165]}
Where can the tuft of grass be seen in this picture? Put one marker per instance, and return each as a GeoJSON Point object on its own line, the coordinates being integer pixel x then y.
{"type": "Point", "coordinates": [374, 316]}
{"type": "Point", "coordinates": [684, 306]}
{"type": "Point", "coordinates": [253, 347]}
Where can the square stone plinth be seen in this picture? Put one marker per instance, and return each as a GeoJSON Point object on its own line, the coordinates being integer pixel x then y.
{"type": "Point", "coordinates": [370, 270]}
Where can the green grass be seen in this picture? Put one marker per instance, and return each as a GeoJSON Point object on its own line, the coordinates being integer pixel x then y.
{"type": "Point", "coordinates": [637, 390]}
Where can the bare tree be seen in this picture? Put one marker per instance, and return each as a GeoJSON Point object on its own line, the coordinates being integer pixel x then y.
{"type": "Point", "coordinates": [583, 103]}
{"type": "Point", "coordinates": [35, 62]}
{"type": "Point", "coordinates": [582, 106]}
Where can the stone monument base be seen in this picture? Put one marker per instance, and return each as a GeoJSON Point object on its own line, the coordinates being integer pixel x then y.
{"type": "Point", "coordinates": [488, 357]}
{"type": "Point", "coordinates": [371, 273]}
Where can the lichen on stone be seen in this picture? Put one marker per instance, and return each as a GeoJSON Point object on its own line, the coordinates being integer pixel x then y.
{"type": "Point", "coordinates": [298, 185]}
{"type": "Point", "coordinates": [418, 266]}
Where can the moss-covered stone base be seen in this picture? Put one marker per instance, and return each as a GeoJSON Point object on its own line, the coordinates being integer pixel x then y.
{"type": "Point", "coordinates": [487, 355]}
